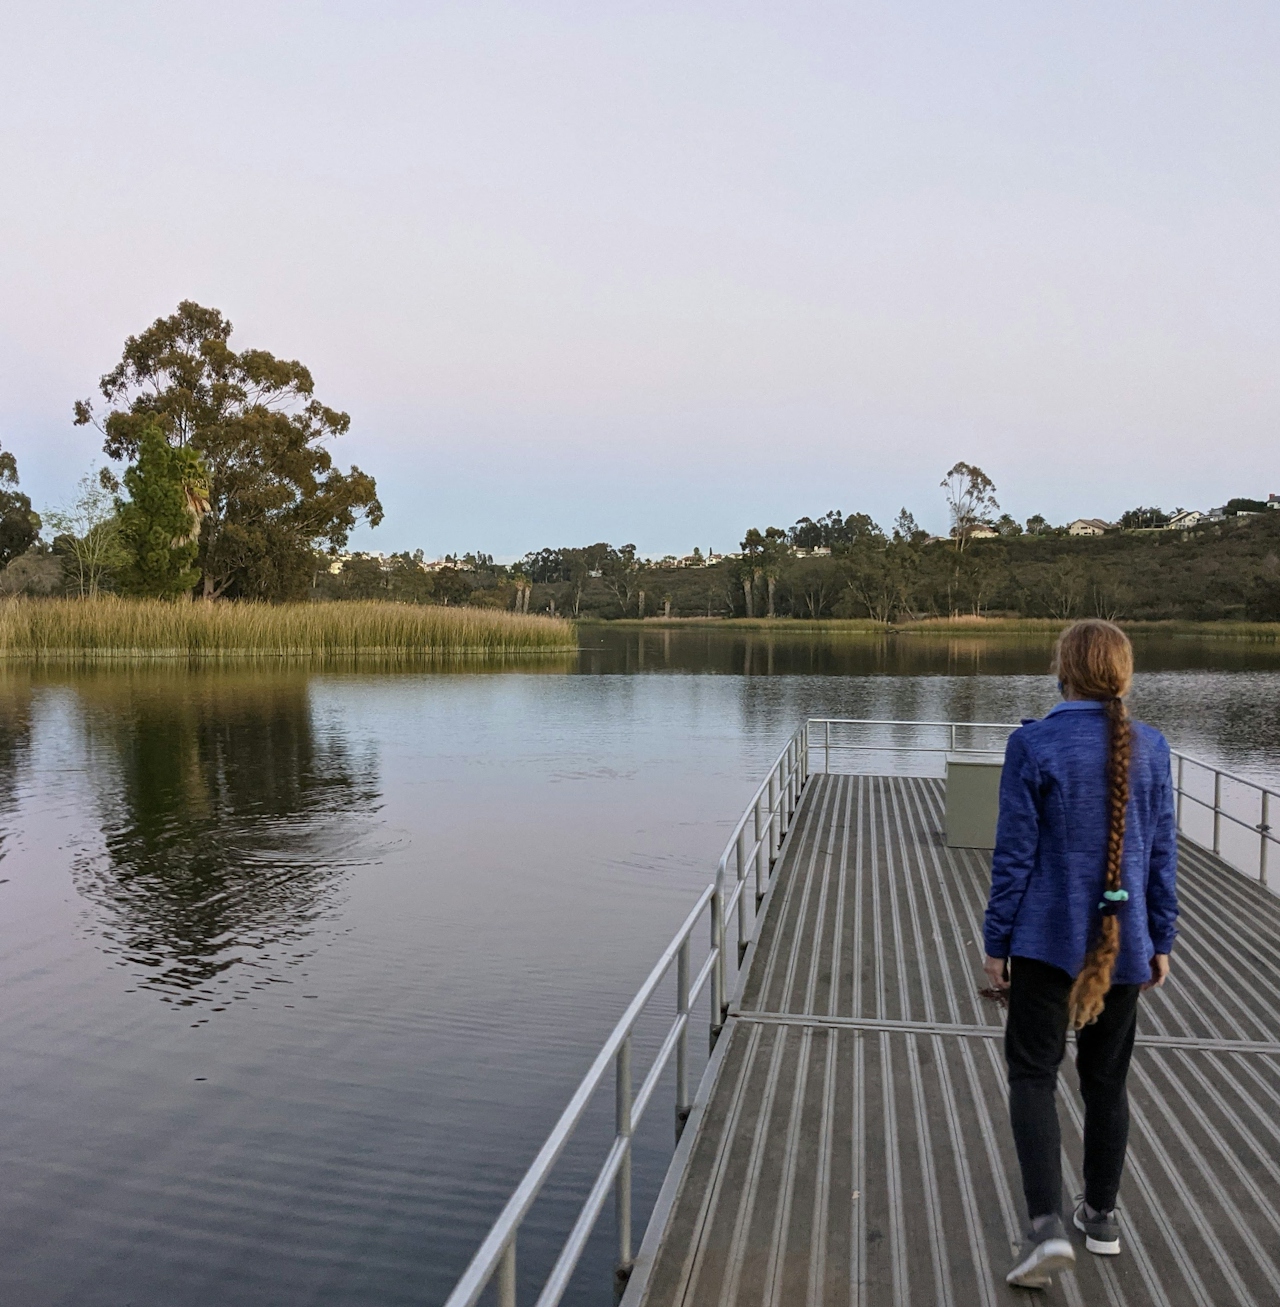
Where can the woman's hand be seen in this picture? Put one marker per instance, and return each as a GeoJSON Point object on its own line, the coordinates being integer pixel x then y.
{"type": "Point", "coordinates": [1159, 971]}
{"type": "Point", "coordinates": [997, 970]}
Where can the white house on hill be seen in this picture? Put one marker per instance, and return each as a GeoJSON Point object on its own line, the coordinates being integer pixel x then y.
{"type": "Point", "coordinates": [1188, 517]}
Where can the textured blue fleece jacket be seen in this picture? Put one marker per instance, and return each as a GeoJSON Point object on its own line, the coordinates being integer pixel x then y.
{"type": "Point", "coordinates": [1051, 842]}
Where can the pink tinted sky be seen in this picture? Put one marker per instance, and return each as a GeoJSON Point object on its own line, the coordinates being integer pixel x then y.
{"type": "Point", "coordinates": [659, 272]}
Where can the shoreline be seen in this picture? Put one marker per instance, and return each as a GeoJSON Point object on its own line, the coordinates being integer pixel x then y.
{"type": "Point", "coordinates": [943, 626]}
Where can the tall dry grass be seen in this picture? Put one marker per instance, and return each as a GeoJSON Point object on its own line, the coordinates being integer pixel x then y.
{"type": "Point", "coordinates": [111, 627]}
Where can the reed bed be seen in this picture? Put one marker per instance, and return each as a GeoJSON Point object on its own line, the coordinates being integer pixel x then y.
{"type": "Point", "coordinates": [110, 628]}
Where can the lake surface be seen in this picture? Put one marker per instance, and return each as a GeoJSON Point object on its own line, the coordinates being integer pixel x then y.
{"type": "Point", "coordinates": [299, 966]}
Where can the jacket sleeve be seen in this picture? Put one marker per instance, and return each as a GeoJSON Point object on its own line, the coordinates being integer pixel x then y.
{"type": "Point", "coordinates": [1162, 888]}
{"type": "Point", "coordinates": [1017, 838]}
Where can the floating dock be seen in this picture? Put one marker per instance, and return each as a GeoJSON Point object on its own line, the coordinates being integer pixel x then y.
{"type": "Point", "coordinates": [851, 1145]}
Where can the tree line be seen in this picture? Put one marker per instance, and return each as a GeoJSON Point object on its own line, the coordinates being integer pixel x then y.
{"type": "Point", "coordinates": [1224, 570]}
{"type": "Point", "coordinates": [845, 565]}
{"type": "Point", "coordinates": [221, 484]}
{"type": "Point", "coordinates": [1218, 570]}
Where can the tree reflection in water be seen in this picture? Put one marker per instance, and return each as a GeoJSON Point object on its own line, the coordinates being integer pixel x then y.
{"type": "Point", "coordinates": [15, 741]}
{"type": "Point", "coordinates": [229, 819]}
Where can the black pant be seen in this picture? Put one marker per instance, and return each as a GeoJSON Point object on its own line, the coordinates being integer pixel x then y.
{"type": "Point", "coordinates": [1034, 1043]}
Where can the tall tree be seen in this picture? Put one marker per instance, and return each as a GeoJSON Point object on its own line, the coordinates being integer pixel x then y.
{"type": "Point", "coordinates": [19, 526]}
{"type": "Point", "coordinates": [275, 495]}
{"type": "Point", "coordinates": [772, 558]}
{"type": "Point", "coordinates": [621, 573]}
{"type": "Point", "coordinates": [160, 524]}
{"type": "Point", "coordinates": [971, 498]}
{"type": "Point", "coordinates": [906, 530]}
{"type": "Point", "coordinates": [753, 549]}
{"type": "Point", "coordinates": [814, 583]}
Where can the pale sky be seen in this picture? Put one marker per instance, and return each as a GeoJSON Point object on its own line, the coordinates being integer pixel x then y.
{"type": "Point", "coordinates": [660, 272]}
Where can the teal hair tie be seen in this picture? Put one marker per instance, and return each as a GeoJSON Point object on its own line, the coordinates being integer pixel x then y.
{"type": "Point", "coordinates": [1111, 901]}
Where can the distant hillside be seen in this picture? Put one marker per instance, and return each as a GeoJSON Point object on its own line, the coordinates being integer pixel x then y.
{"type": "Point", "coordinates": [1228, 570]}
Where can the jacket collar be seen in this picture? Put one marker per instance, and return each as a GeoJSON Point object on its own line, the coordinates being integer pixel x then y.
{"type": "Point", "coordinates": [1078, 705]}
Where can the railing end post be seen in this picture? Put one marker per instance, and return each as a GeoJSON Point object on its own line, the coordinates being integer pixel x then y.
{"type": "Point", "coordinates": [507, 1275]}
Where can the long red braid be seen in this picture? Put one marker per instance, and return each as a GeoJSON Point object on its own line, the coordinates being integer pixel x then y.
{"type": "Point", "coordinates": [1095, 660]}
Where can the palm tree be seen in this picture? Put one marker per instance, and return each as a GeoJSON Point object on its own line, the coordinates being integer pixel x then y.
{"type": "Point", "coordinates": [753, 549]}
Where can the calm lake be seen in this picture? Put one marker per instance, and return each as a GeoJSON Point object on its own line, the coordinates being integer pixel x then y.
{"type": "Point", "coordinates": [300, 966]}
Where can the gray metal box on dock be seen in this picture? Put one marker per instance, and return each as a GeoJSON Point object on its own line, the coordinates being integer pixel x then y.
{"type": "Point", "coordinates": [973, 800]}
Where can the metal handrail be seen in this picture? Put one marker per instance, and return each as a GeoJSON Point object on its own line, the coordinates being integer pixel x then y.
{"type": "Point", "coordinates": [829, 745]}
{"type": "Point", "coordinates": [1261, 828]}
{"type": "Point", "coordinates": [769, 814]}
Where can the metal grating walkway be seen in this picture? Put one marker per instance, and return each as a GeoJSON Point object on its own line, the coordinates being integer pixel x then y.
{"type": "Point", "coordinates": [853, 1145]}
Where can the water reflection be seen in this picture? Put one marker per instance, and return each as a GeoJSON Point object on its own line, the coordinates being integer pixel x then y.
{"type": "Point", "coordinates": [15, 743]}
{"type": "Point", "coordinates": [733, 651]}
{"type": "Point", "coordinates": [228, 817]}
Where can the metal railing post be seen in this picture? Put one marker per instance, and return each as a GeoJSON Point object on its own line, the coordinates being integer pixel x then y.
{"type": "Point", "coordinates": [773, 816]}
{"type": "Point", "coordinates": [507, 1275]}
{"type": "Point", "coordinates": [682, 1041]}
{"type": "Point", "coordinates": [804, 770]}
{"type": "Point", "coordinates": [1181, 760]}
{"type": "Point", "coordinates": [744, 931]}
{"type": "Point", "coordinates": [826, 748]}
{"type": "Point", "coordinates": [717, 967]}
{"type": "Point", "coordinates": [1217, 811]}
{"type": "Point", "coordinates": [622, 1191]}
{"type": "Point", "coordinates": [762, 853]}
{"type": "Point", "coordinates": [1264, 832]}
{"type": "Point", "coordinates": [953, 737]}
{"type": "Point", "coordinates": [784, 791]}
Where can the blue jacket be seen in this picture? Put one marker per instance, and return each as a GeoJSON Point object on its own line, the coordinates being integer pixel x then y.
{"type": "Point", "coordinates": [1050, 858]}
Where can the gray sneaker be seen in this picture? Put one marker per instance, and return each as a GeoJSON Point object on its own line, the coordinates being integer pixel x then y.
{"type": "Point", "coordinates": [1045, 1249]}
{"type": "Point", "coordinates": [1101, 1230]}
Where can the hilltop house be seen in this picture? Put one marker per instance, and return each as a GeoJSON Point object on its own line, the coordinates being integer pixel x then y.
{"type": "Point", "coordinates": [1089, 526]}
{"type": "Point", "coordinates": [1184, 518]}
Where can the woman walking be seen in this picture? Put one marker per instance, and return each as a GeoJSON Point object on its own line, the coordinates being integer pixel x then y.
{"type": "Point", "coordinates": [1081, 919]}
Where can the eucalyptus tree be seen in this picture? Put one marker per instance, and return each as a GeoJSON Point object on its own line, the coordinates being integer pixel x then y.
{"type": "Point", "coordinates": [620, 570]}
{"type": "Point", "coordinates": [971, 499]}
{"type": "Point", "coordinates": [907, 531]}
{"type": "Point", "coordinates": [275, 496]}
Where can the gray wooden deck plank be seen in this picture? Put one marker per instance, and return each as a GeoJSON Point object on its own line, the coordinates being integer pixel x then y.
{"type": "Point", "coordinates": [842, 1165]}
